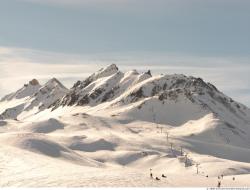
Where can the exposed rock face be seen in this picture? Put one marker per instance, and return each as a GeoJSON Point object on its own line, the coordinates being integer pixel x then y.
{"type": "Point", "coordinates": [104, 85]}
{"type": "Point", "coordinates": [78, 95]}
{"type": "Point", "coordinates": [148, 73]}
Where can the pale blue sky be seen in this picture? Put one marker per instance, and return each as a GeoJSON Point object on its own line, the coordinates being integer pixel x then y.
{"type": "Point", "coordinates": [205, 38]}
{"type": "Point", "coordinates": [203, 27]}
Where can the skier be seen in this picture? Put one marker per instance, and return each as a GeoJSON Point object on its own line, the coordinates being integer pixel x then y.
{"type": "Point", "coordinates": [158, 179]}
{"type": "Point", "coordinates": [151, 175]}
{"type": "Point", "coordinates": [219, 184]}
{"type": "Point", "coordinates": [163, 176]}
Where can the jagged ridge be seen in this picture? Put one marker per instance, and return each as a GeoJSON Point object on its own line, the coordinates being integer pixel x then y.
{"type": "Point", "coordinates": [104, 85]}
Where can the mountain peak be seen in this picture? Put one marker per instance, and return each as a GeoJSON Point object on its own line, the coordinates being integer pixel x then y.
{"type": "Point", "coordinates": [34, 82]}
{"type": "Point", "coordinates": [110, 67]}
{"type": "Point", "coordinates": [26, 91]}
{"type": "Point", "coordinates": [104, 72]}
{"type": "Point", "coordinates": [149, 73]}
{"type": "Point", "coordinates": [54, 82]}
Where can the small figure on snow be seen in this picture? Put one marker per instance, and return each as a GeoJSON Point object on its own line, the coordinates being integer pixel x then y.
{"type": "Point", "coordinates": [158, 179]}
{"type": "Point", "coordinates": [219, 184]}
{"type": "Point", "coordinates": [207, 176]}
{"type": "Point", "coordinates": [233, 178]}
{"type": "Point", "coordinates": [163, 176]}
{"type": "Point", "coordinates": [151, 174]}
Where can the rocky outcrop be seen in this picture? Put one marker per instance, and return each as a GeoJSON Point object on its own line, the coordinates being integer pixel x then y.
{"type": "Point", "coordinates": [34, 82]}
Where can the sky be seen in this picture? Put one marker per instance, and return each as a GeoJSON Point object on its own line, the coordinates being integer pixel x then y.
{"type": "Point", "coordinates": [70, 39]}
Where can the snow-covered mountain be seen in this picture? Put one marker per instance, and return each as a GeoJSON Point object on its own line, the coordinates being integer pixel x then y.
{"type": "Point", "coordinates": [165, 99]}
{"type": "Point", "coordinates": [141, 90]}
{"type": "Point", "coordinates": [171, 123]}
{"type": "Point", "coordinates": [31, 98]}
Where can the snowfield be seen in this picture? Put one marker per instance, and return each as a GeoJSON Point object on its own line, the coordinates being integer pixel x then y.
{"type": "Point", "coordinates": [112, 128]}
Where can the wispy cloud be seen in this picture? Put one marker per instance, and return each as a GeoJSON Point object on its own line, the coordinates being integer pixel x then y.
{"type": "Point", "coordinates": [18, 66]}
